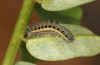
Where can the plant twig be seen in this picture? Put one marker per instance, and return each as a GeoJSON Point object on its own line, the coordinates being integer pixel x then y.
{"type": "Point", "coordinates": [19, 31]}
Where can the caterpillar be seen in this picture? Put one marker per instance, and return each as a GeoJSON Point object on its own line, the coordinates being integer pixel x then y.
{"type": "Point", "coordinates": [50, 29]}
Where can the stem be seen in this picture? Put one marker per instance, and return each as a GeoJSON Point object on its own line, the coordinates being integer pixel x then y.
{"type": "Point", "coordinates": [19, 31]}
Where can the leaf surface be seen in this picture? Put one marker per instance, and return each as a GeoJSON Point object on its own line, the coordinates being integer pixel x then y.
{"type": "Point", "coordinates": [58, 5]}
{"type": "Point", "coordinates": [51, 48]}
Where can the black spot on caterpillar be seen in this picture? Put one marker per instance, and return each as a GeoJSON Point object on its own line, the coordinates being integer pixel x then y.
{"type": "Point", "coordinates": [50, 29]}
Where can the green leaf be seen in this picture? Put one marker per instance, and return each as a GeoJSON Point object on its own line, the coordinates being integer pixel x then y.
{"type": "Point", "coordinates": [23, 63]}
{"type": "Point", "coordinates": [51, 48]}
{"type": "Point", "coordinates": [77, 29]}
{"type": "Point", "coordinates": [58, 5]}
{"type": "Point", "coordinates": [70, 16]}
{"type": "Point", "coordinates": [75, 13]}
{"type": "Point", "coordinates": [88, 45]}
{"type": "Point", "coordinates": [26, 55]}
{"type": "Point", "coordinates": [48, 49]}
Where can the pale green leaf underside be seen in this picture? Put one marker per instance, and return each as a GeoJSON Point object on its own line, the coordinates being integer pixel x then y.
{"type": "Point", "coordinates": [58, 5]}
{"type": "Point", "coordinates": [54, 49]}
{"type": "Point", "coordinates": [23, 63]}
{"type": "Point", "coordinates": [50, 50]}
{"type": "Point", "coordinates": [76, 29]}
